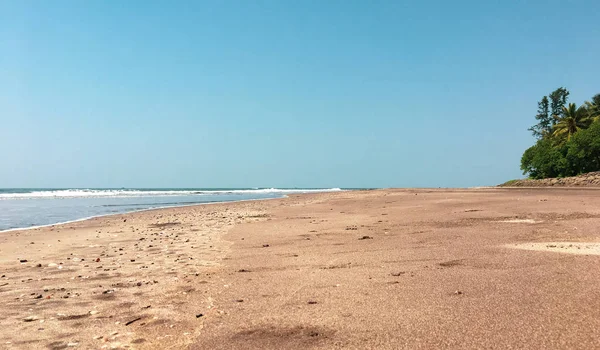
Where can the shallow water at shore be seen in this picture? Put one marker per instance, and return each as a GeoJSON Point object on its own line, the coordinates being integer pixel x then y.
{"type": "Point", "coordinates": [24, 208]}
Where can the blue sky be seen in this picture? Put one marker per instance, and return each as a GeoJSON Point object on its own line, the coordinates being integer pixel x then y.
{"type": "Point", "coordinates": [282, 93]}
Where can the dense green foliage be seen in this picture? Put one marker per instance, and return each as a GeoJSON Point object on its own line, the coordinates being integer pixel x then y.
{"type": "Point", "coordinates": [568, 138]}
{"type": "Point", "coordinates": [584, 149]}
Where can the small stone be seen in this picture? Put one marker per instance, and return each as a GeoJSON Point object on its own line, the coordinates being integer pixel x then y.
{"type": "Point", "coordinates": [30, 318]}
{"type": "Point", "coordinates": [23, 260]}
{"type": "Point", "coordinates": [458, 292]}
{"type": "Point", "coordinates": [199, 315]}
{"type": "Point", "coordinates": [52, 265]}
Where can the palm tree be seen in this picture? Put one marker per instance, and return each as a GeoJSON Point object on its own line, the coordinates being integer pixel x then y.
{"type": "Point", "coordinates": [572, 120]}
{"type": "Point", "coordinates": [593, 107]}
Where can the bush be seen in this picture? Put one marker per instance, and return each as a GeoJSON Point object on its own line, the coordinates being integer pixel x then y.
{"type": "Point", "coordinates": [510, 182]}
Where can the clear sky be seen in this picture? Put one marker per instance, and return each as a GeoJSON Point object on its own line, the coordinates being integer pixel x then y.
{"type": "Point", "coordinates": [282, 93]}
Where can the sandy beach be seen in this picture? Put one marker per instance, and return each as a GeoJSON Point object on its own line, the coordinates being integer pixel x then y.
{"type": "Point", "coordinates": [382, 269]}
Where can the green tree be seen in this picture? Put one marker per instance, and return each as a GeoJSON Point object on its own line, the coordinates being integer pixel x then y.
{"type": "Point", "coordinates": [558, 100]}
{"type": "Point", "coordinates": [584, 149]}
{"type": "Point", "coordinates": [544, 160]}
{"type": "Point", "coordinates": [544, 125]}
{"type": "Point", "coordinates": [571, 120]}
{"type": "Point", "coordinates": [593, 107]}
{"type": "Point", "coordinates": [548, 109]}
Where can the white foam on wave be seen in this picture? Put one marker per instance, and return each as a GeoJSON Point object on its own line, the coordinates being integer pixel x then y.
{"type": "Point", "coordinates": [94, 193]}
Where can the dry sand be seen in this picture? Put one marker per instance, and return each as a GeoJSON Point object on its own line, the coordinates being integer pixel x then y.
{"type": "Point", "coordinates": [385, 269]}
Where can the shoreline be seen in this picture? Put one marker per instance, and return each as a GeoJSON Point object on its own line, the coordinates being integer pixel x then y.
{"type": "Point", "coordinates": [282, 194]}
{"type": "Point", "coordinates": [388, 269]}
{"type": "Point", "coordinates": [134, 211]}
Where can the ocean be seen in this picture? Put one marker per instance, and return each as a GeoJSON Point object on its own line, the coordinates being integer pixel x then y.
{"type": "Point", "coordinates": [32, 207]}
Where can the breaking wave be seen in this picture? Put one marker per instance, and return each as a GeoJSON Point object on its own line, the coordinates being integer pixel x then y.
{"type": "Point", "coordinates": [121, 193]}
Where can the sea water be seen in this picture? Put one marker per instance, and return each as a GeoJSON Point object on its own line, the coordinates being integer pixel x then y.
{"type": "Point", "coordinates": [25, 208]}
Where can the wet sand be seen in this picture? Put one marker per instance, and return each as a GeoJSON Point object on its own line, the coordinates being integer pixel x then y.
{"type": "Point", "coordinates": [384, 269]}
